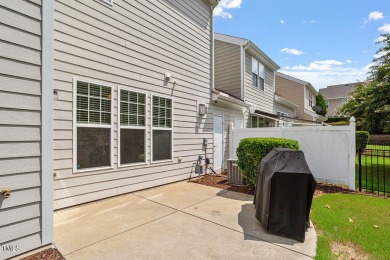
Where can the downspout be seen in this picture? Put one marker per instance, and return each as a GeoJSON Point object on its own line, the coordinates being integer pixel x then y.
{"type": "Point", "coordinates": [212, 47]}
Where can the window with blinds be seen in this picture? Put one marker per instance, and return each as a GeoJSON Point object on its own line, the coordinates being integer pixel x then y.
{"type": "Point", "coordinates": [132, 126]}
{"type": "Point", "coordinates": [257, 74]}
{"type": "Point", "coordinates": [161, 128]}
{"type": "Point", "coordinates": [93, 125]}
{"type": "Point", "coordinates": [132, 108]}
{"type": "Point", "coordinates": [93, 104]}
{"type": "Point", "coordinates": [162, 112]}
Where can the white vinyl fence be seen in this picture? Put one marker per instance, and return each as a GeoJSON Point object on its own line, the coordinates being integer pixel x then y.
{"type": "Point", "coordinates": [329, 150]}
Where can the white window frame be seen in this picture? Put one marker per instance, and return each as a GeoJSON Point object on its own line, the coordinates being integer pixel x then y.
{"type": "Point", "coordinates": [160, 128]}
{"type": "Point", "coordinates": [132, 127]}
{"type": "Point", "coordinates": [76, 125]}
{"type": "Point", "coordinates": [258, 118]}
{"type": "Point", "coordinates": [257, 73]}
{"type": "Point", "coordinates": [310, 99]}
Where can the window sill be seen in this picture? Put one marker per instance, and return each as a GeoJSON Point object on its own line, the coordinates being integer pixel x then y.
{"type": "Point", "coordinates": [93, 169]}
{"type": "Point", "coordinates": [162, 161]}
{"type": "Point", "coordinates": [121, 166]}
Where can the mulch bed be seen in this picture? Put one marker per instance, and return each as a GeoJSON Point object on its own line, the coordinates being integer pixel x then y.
{"type": "Point", "coordinates": [220, 181]}
{"type": "Point", "coordinates": [47, 254]}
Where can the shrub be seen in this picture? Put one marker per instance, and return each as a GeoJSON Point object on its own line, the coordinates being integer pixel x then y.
{"type": "Point", "coordinates": [362, 139]}
{"type": "Point", "coordinates": [251, 151]}
{"type": "Point", "coordinates": [337, 119]}
{"type": "Point", "coordinates": [339, 123]}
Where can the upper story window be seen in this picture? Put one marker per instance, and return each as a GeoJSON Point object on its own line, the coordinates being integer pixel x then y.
{"type": "Point", "coordinates": [327, 103]}
{"type": "Point", "coordinates": [344, 100]}
{"type": "Point", "coordinates": [257, 74]}
{"type": "Point", "coordinates": [310, 99]}
{"type": "Point", "coordinates": [94, 125]}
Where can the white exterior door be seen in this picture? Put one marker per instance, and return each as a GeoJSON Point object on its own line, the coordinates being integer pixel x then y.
{"type": "Point", "coordinates": [218, 142]}
{"type": "Point", "coordinates": [239, 123]}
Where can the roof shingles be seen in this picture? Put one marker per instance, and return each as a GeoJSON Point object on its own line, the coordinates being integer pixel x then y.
{"type": "Point", "coordinates": [338, 91]}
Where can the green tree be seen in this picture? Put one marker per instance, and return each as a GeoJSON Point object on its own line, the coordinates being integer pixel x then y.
{"type": "Point", "coordinates": [370, 101]}
{"type": "Point", "coordinates": [320, 101]}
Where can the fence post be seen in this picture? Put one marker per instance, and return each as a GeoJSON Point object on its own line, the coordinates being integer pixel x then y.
{"type": "Point", "coordinates": [352, 153]}
{"type": "Point", "coordinates": [360, 169]}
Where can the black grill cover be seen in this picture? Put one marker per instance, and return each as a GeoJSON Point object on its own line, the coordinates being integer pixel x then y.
{"type": "Point", "coordinates": [284, 192]}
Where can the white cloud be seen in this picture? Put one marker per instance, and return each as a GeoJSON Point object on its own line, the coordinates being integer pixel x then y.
{"type": "Point", "coordinates": [224, 5]}
{"type": "Point", "coordinates": [385, 28]}
{"type": "Point", "coordinates": [281, 21]}
{"type": "Point", "coordinates": [375, 16]}
{"type": "Point", "coordinates": [312, 21]}
{"type": "Point", "coordinates": [367, 68]}
{"type": "Point", "coordinates": [348, 61]}
{"type": "Point", "coordinates": [292, 51]}
{"type": "Point", "coordinates": [379, 39]}
{"type": "Point", "coordinates": [338, 75]}
{"type": "Point", "coordinates": [380, 54]}
{"type": "Point", "coordinates": [321, 65]}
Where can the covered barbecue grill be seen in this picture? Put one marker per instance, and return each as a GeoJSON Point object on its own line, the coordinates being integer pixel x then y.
{"type": "Point", "coordinates": [284, 192]}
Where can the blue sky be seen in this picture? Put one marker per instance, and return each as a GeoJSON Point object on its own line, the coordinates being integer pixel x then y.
{"type": "Point", "coordinates": [325, 42]}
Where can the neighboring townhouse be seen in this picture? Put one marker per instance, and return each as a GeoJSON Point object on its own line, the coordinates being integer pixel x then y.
{"type": "Point", "coordinates": [301, 93]}
{"type": "Point", "coordinates": [336, 96]}
{"type": "Point", "coordinates": [26, 98]}
{"type": "Point", "coordinates": [127, 103]}
{"type": "Point", "coordinates": [285, 109]}
{"type": "Point", "coordinates": [244, 88]}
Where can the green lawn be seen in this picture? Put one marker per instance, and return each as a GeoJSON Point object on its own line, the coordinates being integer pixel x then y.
{"type": "Point", "coordinates": [333, 225]}
{"type": "Point", "coordinates": [378, 147]}
{"type": "Point", "coordinates": [375, 150]}
{"type": "Point", "coordinates": [375, 173]}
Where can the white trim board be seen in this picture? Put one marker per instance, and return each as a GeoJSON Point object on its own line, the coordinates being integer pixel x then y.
{"type": "Point", "coordinates": [47, 225]}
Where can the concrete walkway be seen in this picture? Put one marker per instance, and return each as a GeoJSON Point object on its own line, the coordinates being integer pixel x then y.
{"type": "Point", "coordinates": [181, 220]}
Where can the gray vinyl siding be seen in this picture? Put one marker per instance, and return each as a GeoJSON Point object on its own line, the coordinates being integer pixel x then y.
{"type": "Point", "coordinates": [131, 44]}
{"type": "Point", "coordinates": [227, 60]}
{"type": "Point", "coordinates": [20, 125]}
{"type": "Point", "coordinates": [260, 99]}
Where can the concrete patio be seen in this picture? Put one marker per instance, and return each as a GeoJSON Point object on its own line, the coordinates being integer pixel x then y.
{"type": "Point", "coordinates": [173, 221]}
